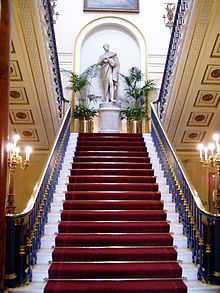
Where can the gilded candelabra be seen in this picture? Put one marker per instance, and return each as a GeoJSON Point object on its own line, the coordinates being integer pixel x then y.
{"type": "Point", "coordinates": [15, 159]}
{"type": "Point", "coordinates": [210, 158]}
{"type": "Point", "coordinates": [55, 14]}
{"type": "Point", "coordinates": [169, 17]}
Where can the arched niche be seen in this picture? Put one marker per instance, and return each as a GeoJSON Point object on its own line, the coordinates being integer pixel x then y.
{"type": "Point", "coordinates": [124, 38]}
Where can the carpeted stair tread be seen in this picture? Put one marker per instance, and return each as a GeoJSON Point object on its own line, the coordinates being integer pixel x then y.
{"type": "Point", "coordinates": [110, 148]}
{"type": "Point", "coordinates": [112, 204]}
{"type": "Point", "coordinates": [117, 254]}
{"type": "Point", "coordinates": [111, 179]}
{"type": "Point", "coordinates": [113, 186]}
{"type": "Point", "coordinates": [131, 239]}
{"type": "Point", "coordinates": [113, 227]}
{"type": "Point", "coordinates": [115, 270]}
{"type": "Point", "coordinates": [113, 235]}
{"type": "Point", "coordinates": [111, 159]}
{"type": "Point", "coordinates": [110, 171]}
{"type": "Point", "coordinates": [128, 286]}
{"type": "Point", "coordinates": [113, 195]}
{"type": "Point", "coordinates": [117, 153]}
{"type": "Point", "coordinates": [109, 138]}
{"type": "Point", "coordinates": [107, 134]}
{"type": "Point", "coordinates": [89, 142]}
{"type": "Point", "coordinates": [113, 215]}
{"type": "Point", "coordinates": [111, 165]}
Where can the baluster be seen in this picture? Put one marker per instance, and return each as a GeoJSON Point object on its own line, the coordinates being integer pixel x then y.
{"type": "Point", "coordinates": [208, 249]}
{"type": "Point", "coordinates": [29, 258]}
{"type": "Point", "coordinates": [21, 258]}
{"type": "Point", "coordinates": [201, 247]}
{"type": "Point", "coordinates": [216, 243]}
{"type": "Point", "coordinates": [11, 244]}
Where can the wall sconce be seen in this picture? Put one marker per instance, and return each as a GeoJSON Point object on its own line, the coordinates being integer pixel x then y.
{"type": "Point", "coordinates": [169, 17]}
{"type": "Point", "coordinates": [210, 158]}
{"type": "Point", "coordinates": [55, 13]}
{"type": "Point", "coordinates": [15, 159]}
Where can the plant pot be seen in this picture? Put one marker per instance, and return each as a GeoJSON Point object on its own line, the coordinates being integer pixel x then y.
{"type": "Point", "coordinates": [134, 126]}
{"type": "Point", "coordinates": [83, 125]}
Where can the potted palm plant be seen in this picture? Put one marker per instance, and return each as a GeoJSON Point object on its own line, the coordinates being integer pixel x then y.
{"type": "Point", "coordinates": [83, 115]}
{"type": "Point", "coordinates": [137, 95]}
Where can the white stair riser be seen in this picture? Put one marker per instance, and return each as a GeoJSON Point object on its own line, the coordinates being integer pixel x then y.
{"type": "Point", "coordinates": [39, 276]}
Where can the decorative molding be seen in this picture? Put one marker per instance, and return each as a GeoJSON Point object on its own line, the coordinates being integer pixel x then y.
{"type": "Point", "coordinates": [18, 96]}
{"type": "Point", "coordinates": [200, 119]}
{"type": "Point", "coordinates": [216, 47]}
{"type": "Point", "coordinates": [209, 99]}
{"type": "Point", "coordinates": [115, 21]}
{"type": "Point", "coordinates": [12, 48]}
{"type": "Point", "coordinates": [193, 136]}
{"type": "Point", "coordinates": [28, 134]}
{"type": "Point", "coordinates": [15, 71]}
{"type": "Point", "coordinates": [212, 74]}
{"type": "Point", "coordinates": [21, 116]}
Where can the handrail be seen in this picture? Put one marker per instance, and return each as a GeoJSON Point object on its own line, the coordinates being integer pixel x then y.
{"type": "Point", "coordinates": [54, 56]}
{"type": "Point", "coordinates": [24, 230]}
{"type": "Point", "coordinates": [182, 169]}
{"type": "Point", "coordinates": [201, 227]}
{"type": "Point", "coordinates": [183, 6]}
{"type": "Point", "coordinates": [31, 202]}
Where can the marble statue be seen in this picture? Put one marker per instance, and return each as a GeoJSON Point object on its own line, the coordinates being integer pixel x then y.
{"type": "Point", "coordinates": [110, 74]}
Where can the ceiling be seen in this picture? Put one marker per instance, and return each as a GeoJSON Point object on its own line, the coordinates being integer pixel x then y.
{"type": "Point", "coordinates": [33, 108]}
{"type": "Point", "coordinates": [193, 109]}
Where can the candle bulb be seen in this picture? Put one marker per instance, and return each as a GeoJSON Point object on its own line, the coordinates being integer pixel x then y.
{"type": "Point", "coordinates": [28, 151]}
{"type": "Point", "coordinates": [17, 151]}
{"type": "Point", "coordinates": [200, 147]}
{"type": "Point", "coordinates": [211, 147]}
{"type": "Point", "coordinates": [16, 138]}
{"type": "Point", "coordinates": [216, 139]}
{"type": "Point", "coordinates": [10, 147]}
{"type": "Point", "coordinates": [206, 153]}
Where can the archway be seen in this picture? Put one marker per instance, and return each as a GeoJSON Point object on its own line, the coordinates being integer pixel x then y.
{"type": "Point", "coordinates": [124, 38]}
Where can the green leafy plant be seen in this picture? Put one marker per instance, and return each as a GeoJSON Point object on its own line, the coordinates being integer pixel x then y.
{"type": "Point", "coordinates": [79, 82]}
{"type": "Point", "coordinates": [132, 113]}
{"type": "Point", "coordinates": [137, 94]}
{"type": "Point", "coordinates": [83, 112]}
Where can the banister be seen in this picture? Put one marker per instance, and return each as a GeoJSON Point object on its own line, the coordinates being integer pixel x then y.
{"type": "Point", "coordinates": [201, 227]}
{"type": "Point", "coordinates": [24, 230]}
{"type": "Point", "coordinates": [51, 38]}
{"type": "Point", "coordinates": [183, 7]}
{"type": "Point", "coordinates": [32, 200]}
{"type": "Point", "coordinates": [192, 188]}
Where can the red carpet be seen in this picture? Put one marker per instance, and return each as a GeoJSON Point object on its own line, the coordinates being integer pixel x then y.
{"type": "Point", "coordinates": [113, 235]}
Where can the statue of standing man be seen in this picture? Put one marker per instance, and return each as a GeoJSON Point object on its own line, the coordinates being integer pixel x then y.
{"type": "Point", "coordinates": [109, 73]}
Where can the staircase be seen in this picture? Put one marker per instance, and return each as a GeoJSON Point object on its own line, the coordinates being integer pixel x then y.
{"type": "Point", "coordinates": [118, 231]}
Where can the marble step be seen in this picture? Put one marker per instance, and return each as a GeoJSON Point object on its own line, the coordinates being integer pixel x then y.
{"type": "Point", "coordinates": [50, 229]}
{"type": "Point", "coordinates": [47, 241]}
{"type": "Point", "coordinates": [40, 272]}
{"type": "Point", "coordinates": [54, 217]}
{"type": "Point", "coordinates": [57, 206]}
{"type": "Point", "coordinates": [45, 255]}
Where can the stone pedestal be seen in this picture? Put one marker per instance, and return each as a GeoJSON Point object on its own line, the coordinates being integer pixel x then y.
{"type": "Point", "coordinates": [109, 117]}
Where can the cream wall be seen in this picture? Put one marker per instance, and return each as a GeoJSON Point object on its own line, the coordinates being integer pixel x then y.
{"type": "Point", "coordinates": [197, 174]}
{"type": "Point", "coordinates": [149, 21]}
{"type": "Point", "coordinates": [25, 180]}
